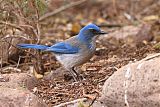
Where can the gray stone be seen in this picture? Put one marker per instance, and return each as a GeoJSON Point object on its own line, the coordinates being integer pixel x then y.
{"type": "Point", "coordinates": [136, 84]}
{"type": "Point", "coordinates": [19, 98]}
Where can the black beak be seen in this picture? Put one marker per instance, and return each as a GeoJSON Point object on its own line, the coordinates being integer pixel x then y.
{"type": "Point", "coordinates": [101, 33]}
{"type": "Point", "coordinates": [98, 32]}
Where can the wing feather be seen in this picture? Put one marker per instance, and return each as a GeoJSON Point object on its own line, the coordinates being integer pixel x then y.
{"type": "Point", "coordinates": [63, 48]}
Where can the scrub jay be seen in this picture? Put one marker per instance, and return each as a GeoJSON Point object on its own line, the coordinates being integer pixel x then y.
{"type": "Point", "coordinates": [74, 51]}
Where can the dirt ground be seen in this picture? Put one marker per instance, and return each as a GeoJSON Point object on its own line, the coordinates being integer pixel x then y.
{"type": "Point", "coordinates": [104, 63]}
{"type": "Point", "coordinates": [111, 16]}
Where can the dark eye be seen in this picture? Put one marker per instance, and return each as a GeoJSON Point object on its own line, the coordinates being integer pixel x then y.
{"type": "Point", "coordinates": [93, 30]}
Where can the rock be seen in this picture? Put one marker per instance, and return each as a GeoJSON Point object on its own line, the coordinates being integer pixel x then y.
{"type": "Point", "coordinates": [15, 80]}
{"type": "Point", "coordinates": [14, 91]}
{"type": "Point", "coordinates": [131, 35]}
{"type": "Point", "coordinates": [19, 98]}
{"type": "Point", "coordinates": [137, 84]}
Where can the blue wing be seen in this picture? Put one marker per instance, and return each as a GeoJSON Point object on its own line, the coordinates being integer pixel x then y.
{"type": "Point", "coordinates": [63, 48]}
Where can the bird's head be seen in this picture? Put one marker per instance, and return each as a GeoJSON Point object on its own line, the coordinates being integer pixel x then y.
{"type": "Point", "coordinates": [89, 32]}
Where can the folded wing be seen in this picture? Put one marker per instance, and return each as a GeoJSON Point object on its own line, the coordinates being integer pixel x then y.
{"type": "Point", "coordinates": [63, 48]}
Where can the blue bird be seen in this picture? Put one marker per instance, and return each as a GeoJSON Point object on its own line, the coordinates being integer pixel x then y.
{"type": "Point", "coordinates": [74, 51]}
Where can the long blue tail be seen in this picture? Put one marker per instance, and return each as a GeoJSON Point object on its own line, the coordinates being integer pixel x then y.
{"type": "Point", "coordinates": [33, 46]}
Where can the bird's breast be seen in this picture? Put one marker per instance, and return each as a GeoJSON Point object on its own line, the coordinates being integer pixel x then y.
{"type": "Point", "coordinates": [71, 60]}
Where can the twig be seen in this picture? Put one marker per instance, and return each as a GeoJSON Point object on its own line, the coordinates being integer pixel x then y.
{"type": "Point", "coordinates": [38, 32]}
{"type": "Point", "coordinates": [1, 57]}
{"type": "Point", "coordinates": [93, 100]}
{"type": "Point", "coordinates": [15, 65]}
{"type": "Point", "coordinates": [104, 79]}
{"type": "Point", "coordinates": [60, 93]}
{"type": "Point", "coordinates": [1, 62]}
{"type": "Point", "coordinates": [12, 25]}
{"type": "Point", "coordinates": [128, 16]}
{"type": "Point", "coordinates": [11, 68]}
{"type": "Point", "coordinates": [14, 36]}
{"type": "Point", "coordinates": [19, 59]}
{"type": "Point", "coordinates": [152, 57]}
{"type": "Point", "coordinates": [61, 9]}
{"type": "Point", "coordinates": [20, 27]}
{"type": "Point", "coordinates": [9, 43]}
{"type": "Point", "coordinates": [71, 102]}
{"type": "Point", "coordinates": [29, 26]}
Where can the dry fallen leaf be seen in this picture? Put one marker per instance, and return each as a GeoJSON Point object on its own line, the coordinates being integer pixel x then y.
{"type": "Point", "coordinates": [38, 76]}
{"type": "Point", "coordinates": [75, 28]}
{"type": "Point", "coordinates": [151, 18]}
{"type": "Point", "coordinates": [101, 20]}
{"type": "Point", "coordinates": [91, 69]}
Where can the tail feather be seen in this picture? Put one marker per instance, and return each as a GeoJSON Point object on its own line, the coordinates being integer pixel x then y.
{"type": "Point", "coordinates": [33, 46]}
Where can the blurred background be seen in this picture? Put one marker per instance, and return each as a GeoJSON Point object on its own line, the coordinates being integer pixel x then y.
{"type": "Point", "coordinates": [133, 26]}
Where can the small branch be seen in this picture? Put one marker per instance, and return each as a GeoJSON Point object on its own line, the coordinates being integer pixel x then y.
{"type": "Point", "coordinates": [71, 102]}
{"type": "Point", "coordinates": [152, 57]}
{"type": "Point", "coordinates": [22, 27]}
{"type": "Point", "coordinates": [104, 79]}
{"type": "Point", "coordinates": [38, 32]}
{"type": "Point", "coordinates": [9, 43]}
{"type": "Point", "coordinates": [90, 105]}
{"type": "Point", "coordinates": [19, 59]}
{"type": "Point", "coordinates": [14, 36]}
{"type": "Point", "coordinates": [61, 9]}
{"type": "Point", "coordinates": [1, 61]}
{"type": "Point", "coordinates": [12, 25]}
{"type": "Point", "coordinates": [12, 68]}
{"type": "Point", "coordinates": [15, 65]}
{"type": "Point", "coordinates": [28, 26]}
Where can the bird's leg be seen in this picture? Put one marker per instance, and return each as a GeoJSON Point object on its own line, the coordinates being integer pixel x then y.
{"type": "Point", "coordinates": [74, 75]}
{"type": "Point", "coordinates": [77, 74]}
{"type": "Point", "coordinates": [75, 71]}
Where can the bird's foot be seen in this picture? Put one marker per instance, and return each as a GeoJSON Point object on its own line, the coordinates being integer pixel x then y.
{"type": "Point", "coordinates": [76, 78]}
